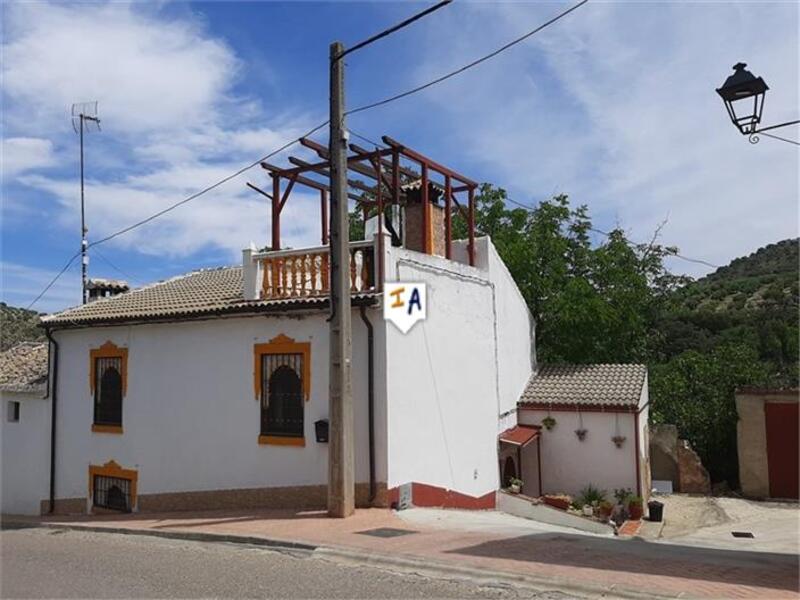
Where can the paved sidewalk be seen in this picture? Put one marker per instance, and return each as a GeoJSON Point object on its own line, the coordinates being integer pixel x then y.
{"type": "Point", "coordinates": [568, 560]}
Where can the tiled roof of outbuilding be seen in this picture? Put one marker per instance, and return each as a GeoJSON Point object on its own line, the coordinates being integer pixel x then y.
{"type": "Point", "coordinates": [194, 295]}
{"type": "Point", "coordinates": [23, 368]}
{"type": "Point", "coordinates": [587, 385]}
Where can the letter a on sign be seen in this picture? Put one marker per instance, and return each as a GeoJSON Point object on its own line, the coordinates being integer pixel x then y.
{"type": "Point", "coordinates": [404, 304]}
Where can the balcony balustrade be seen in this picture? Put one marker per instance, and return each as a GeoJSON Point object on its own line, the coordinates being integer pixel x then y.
{"type": "Point", "coordinates": [305, 272]}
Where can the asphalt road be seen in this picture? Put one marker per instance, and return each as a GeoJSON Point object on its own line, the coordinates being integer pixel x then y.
{"type": "Point", "coordinates": [45, 563]}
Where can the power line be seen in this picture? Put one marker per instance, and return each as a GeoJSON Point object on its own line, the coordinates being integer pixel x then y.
{"type": "Point", "coordinates": [467, 66]}
{"type": "Point", "coordinates": [115, 267]}
{"type": "Point", "coordinates": [777, 137]}
{"type": "Point", "coordinates": [206, 189]}
{"type": "Point", "coordinates": [391, 30]}
{"type": "Point", "coordinates": [174, 206]}
{"type": "Point", "coordinates": [629, 242]}
{"type": "Point", "coordinates": [364, 139]}
{"type": "Point", "coordinates": [54, 279]}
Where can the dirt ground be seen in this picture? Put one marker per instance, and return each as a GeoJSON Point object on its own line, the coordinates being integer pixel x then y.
{"type": "Point", "coordinates": [711, 521]}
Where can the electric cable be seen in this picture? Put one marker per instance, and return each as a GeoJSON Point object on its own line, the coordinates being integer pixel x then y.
{"type": "Point", "coordinates": [474, 63]}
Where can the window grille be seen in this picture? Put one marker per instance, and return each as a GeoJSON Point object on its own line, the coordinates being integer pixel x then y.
{"type": "Point", "coordinates": [282, 395]}
{"type": "Point", "coordinates": [108, 391]}
{"type": "Point", "coordinates": [112, 492]}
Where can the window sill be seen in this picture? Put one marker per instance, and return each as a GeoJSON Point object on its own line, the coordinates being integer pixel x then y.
{"type": "Point", "coordinates": [106, 428]}
{"type": "Point", "coordinates": [277, 440]}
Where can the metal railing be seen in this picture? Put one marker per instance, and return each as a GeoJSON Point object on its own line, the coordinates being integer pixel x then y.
{"type": "Point", "coordinates": [306, 272]}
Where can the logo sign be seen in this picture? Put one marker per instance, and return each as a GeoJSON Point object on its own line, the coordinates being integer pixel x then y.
{"type": "Point", "coordinates": [404, 304]}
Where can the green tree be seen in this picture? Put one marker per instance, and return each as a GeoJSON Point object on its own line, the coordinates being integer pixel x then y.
{"type": "Point", "coordinates": [695, 391]}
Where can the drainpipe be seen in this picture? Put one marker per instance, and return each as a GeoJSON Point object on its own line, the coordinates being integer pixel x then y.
{"type": "Point", "coordinates": [53, 399]}
{"type": "Point", "coordinates": [370, 401]}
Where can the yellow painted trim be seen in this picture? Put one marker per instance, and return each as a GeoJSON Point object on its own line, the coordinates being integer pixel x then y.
{"type": "Point", "coordinates": [112, 469]}
{"type": "Point", "coordinates": [282, 344]}
{"type": "Point", "coordinates": [276, 440]}
{"type": "Point", "coordinates": [109, 350]}
{"type": "Point", "coordinates": [106, 428]}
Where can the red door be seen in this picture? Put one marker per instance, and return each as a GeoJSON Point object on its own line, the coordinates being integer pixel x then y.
{"type": "Point", "coordinates": [782, 448]}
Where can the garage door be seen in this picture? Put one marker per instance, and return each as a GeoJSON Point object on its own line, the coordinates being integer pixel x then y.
{"type": "Point", "coordinates": [782, 449]}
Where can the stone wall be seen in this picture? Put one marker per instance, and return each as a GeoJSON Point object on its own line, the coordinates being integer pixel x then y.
{"type": "Point", "coordinates": [673, 459]}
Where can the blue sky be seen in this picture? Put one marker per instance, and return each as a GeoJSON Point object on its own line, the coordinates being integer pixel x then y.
{"type": "Point", "coordinates": [614, 105]}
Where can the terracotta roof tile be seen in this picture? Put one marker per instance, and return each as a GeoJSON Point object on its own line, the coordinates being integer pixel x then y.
{"type": "Point", "coordinates": [23, 368]}
{"type": "Point", "coordinates": [598, 384]}
{"type": "Point", "coordinates": [209, 291]}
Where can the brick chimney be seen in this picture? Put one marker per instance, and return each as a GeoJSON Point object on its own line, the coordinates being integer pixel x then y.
{"type": "Point", "coordinates": [414, 218]}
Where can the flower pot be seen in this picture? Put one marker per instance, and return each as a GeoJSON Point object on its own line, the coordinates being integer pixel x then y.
{"type": "Point", "coordinates": [588, 511]}
{"type": "Point", "coordinates": [514, 488]}
{"type": "Point", "coordinates": [635, 511]}
{"type": "Point", "coordinates": [561, 502]}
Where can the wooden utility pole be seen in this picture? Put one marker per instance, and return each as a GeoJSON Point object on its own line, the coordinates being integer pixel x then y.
{"type": "Point", "coordinates": [341, 449]}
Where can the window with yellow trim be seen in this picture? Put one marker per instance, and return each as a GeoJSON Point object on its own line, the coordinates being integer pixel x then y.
{"type": "Point", "coordinates": [282, 373]}
{"type": "Point", "coordinates": [108, 381]}
{"type": "Point", "coordinates": [112, 487]}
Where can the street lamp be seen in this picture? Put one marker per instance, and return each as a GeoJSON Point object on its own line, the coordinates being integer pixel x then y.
{"type": "Point", "coordinates": [743, 94]}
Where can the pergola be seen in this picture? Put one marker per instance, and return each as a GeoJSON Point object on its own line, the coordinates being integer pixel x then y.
{"type": "Point", "coordinates": [376, 179]}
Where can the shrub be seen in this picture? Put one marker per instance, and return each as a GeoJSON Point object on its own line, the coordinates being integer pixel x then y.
{"type": "Point", "coordinates": [591, 495]}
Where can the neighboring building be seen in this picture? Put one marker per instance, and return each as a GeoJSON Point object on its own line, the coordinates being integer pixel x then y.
{"type": "Point", "coordinates": [105, 288]}
{"type": "Point", "coordinates": [598, 431]}
{"type": "Point", "coordinates": [767, 442]}
{"type": "Point", "coordinates": [25, 427]}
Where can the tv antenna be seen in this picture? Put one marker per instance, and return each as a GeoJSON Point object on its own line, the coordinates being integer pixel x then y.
{"type": "Point", "coordinates": [84, 118]}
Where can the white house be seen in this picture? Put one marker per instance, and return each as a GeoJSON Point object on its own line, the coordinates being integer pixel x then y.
{"type": "Point", "coordinates": [184, 394]}
{"type": "Point", "coordinates": [25, 429]}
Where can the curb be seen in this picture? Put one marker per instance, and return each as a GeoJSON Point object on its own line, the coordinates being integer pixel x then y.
{"type": "Point", "coordinates": [405, 563]}
{"type": "Point", "coordinates": [193, 536]}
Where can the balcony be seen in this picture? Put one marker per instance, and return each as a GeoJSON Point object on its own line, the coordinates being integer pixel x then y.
{"type": "Point", "coordinates": [305, 273]}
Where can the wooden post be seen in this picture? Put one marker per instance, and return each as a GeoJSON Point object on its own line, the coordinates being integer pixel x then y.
{"type": "Point", "coordinates": [276, 212]}
{"type": "Point", "coordinates": [471, 226]}
{"type": "Point", "coordinates": [448, 207]}
{"type": "Point", "coordinates": [341, 447]}
{"type": "Point", "coordinates": [427, 247]}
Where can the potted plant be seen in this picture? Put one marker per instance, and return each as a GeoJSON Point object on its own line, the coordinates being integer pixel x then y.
{"type": "Point", "coordinates": [618, 440]}
{"type": "Point", "coordinates": [515, 485]}
{"type": "Point", "coordinates": [635, 507]}
{"type": "Point", "coordinates": [581, 433]}
{"type": "Point", "coordinates": [604, 510]}
{"type": "Point", "coordinates": [549, 422]}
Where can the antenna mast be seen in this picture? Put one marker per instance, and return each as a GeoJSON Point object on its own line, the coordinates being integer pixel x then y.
{"type": "Point", "coordinates": [84, 117]}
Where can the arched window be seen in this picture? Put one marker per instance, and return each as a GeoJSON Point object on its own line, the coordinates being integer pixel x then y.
{"type": "Point", "coordinates": [108, 392]}
{"type": "Point", "coordinates": [282, 398]}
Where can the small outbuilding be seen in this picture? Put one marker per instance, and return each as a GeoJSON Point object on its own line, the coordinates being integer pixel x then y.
{"type": "Point", "coordinates": [580, 425]}
{"type": "Point", "coordinates": [767, 442]}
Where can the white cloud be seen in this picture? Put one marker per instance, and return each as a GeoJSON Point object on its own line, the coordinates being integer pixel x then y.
{"type": "Point", "coordinates": [172, 124]}
{"type": "Point", "coordinates": [148, 74]}
{"type": "Point", "coordinates": [615, 104]}
{"type": "Point", "coordinates": [22, 154]}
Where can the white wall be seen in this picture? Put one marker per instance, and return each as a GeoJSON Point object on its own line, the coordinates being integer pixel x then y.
{"type": "Point", "coordinates": [515, 332]}
{"type": "Point", "coordinates": [644, 440]}
{"type": "Point", "coordinates": [190, 417]}
{"type": "Point", "coordinates": [25, 454]}
{"type": "Point", "coordinates": [569, 465]}
{"type": "Point", "coordinates": [445, 388]}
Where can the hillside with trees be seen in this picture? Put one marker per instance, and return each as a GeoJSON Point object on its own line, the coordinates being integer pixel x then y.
{"type": "Point", "coordinates": [18, 325]}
